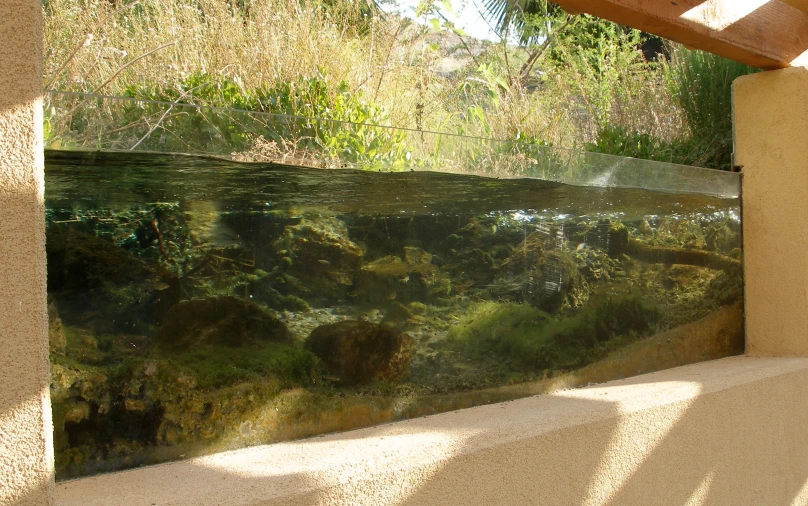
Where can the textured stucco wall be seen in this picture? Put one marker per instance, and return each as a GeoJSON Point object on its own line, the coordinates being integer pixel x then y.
{"type": "Point", "coordinates": [728, 432]}
{"type": "Point", "coordinates": [771, 143]}
{"type": "Point", "coordinates": [26, 460]}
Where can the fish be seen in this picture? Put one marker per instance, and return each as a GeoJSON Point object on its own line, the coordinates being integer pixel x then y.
{"type": "Point", "coordinates": [580, 247]}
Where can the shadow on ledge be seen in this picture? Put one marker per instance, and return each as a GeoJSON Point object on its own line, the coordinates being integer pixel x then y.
{"type": "Point", "coordinates": [723, 432]}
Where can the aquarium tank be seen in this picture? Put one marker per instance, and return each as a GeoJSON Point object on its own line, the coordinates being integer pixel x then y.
{"type": "Point", "coordinates": [298, 276]}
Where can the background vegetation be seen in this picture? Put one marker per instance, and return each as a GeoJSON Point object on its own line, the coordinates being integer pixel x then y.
{"type": "Point", "coordinates": [571, 82]}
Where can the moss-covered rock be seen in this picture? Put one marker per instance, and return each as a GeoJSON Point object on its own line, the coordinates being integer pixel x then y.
{"type": "Point", "coordinates": [397, 313]}
{"type": "Point", "coordinates": [261, 287]}
{"type": "Point", "coordinates": [524, 338]}
{"type": "Point", "coordinates": [318, 252]}
{"type": "Point", "coordinates": [390, 277]}
{"type": "Point", "coordinates": [219, 321]}
{"type": "Point", "coordinates": [475, 251]}
{"type": "Point", "coordinates": [92, 279]}
{"type": "Point", "coordinates": [541, 274]}
{"type": "Point", "coordinates": [360, 352]}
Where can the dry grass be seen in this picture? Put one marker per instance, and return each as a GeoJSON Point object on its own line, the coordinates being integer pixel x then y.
{"type": "Point", "coordinates": [97, 45]}
{"type": "Point", "coordinates": [274, 41]}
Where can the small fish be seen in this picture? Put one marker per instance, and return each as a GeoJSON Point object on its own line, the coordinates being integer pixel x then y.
{"type": "Point", "coordinates": [580, 247]}
{"type": "Point", "coordinates": [324, 262]}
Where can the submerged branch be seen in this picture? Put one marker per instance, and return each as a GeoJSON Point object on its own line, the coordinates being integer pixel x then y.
{"type": "Point", "coordinates": [621, 243]}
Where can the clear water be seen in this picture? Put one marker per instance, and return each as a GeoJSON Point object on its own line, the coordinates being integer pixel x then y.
{"type": "Point", "coordinates": [198, 305]}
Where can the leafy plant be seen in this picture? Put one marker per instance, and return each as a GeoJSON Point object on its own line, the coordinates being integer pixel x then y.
{"type": "Point", "coordinates": [701, 84]}
{"type": "Point", "coordinates": [311, 113]}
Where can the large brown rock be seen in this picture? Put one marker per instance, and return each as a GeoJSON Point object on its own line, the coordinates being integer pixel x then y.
{"type": "Point", "coordinates": [390, 277]}
{"type": "Point", "coordinates": [541, 274]}
{"type": "Point", "coordinates": [361, 352]}
{"type": "Point", "coordinates": [92, 278]}
{"type": "Point", "coordinates": [319, 253]}
{"type": "Point", "coordinates": [219, 320]}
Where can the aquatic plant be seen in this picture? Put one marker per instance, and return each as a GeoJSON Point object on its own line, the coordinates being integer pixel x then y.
{"type": "Point", "coordinates": [532, 340]}
{"type": "Point", "coordinates": [220, 366]}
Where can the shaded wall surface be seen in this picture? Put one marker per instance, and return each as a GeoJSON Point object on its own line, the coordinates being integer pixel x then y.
{"type": "Point", "coordinates": [26, 455]}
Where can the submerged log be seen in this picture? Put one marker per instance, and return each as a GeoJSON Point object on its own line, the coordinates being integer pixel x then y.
{"type": "Point", "coordinates": [621, 244]}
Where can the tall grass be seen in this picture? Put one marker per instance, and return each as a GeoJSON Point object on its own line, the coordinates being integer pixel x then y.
{"type": "Point", "coordinates": [701, 84]}
{"type": "Point", "coordinates": [604, 95]}
{"type": "Point", "coordinates": [271, 42]}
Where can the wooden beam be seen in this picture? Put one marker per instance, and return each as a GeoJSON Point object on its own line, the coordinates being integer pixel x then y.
{"type": "Point", "coordinates": [797, 4]}
{"type": "Point", "coordinates": [767, 34]}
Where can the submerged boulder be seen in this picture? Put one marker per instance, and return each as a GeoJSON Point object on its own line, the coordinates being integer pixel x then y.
{"type": "Point", "coordinates": [91, 277]}
{"type": "Point", "coordinates": [390, 277]}
{"type": "Point", "coordinates": [360, 352]}
{"type": "Point", "coordinates": [539, 273]}
{"type": "Point", "coordinates": [56, 334]}
{"type": "Point", "coordinates": [219, 320]}
{"type": "Point", "coordinates": [318, 252]}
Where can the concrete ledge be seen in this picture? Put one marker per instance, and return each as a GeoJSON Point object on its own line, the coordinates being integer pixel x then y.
{"type": "Point", "coordinates": [731, 431]}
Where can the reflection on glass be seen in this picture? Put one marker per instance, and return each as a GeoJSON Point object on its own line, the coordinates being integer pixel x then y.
{"type": "Point", "coordinates": [199, 305]}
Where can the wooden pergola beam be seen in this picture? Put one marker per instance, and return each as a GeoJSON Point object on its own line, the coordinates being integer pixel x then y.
{"type": "Point", "coordinates": [767, 34]}
{"type": "Point", "coordinates": [797, 4]}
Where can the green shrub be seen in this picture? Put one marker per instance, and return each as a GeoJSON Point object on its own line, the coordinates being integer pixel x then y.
{"type": "Point", "coordinates": [616, 140]}
{"type": "Point", "coordinates": [701, 84]}
{"type": "Point", "coordinates": [347, 128]}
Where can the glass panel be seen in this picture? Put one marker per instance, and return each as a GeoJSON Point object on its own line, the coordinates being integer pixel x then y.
{"type": "Point", "coordinates": [201, 304]}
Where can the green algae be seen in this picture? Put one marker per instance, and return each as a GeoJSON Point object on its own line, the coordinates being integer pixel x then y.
{"type": "Point", "coordinates": [219, 366]}
{"type": "Point", "coordinates": [529, 340]}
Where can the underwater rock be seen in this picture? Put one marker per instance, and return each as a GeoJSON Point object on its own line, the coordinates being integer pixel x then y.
{"type": "Point", "coordinates": [391, 278]}
{"type": "Point", "coordinates": [360, 352]}
{"type": "Point", "coordinates": [219, 320]}
{"type": "Point", "coordinates": [319, 252]}
{"type": "Point", "coordinates": [161, 408]}
{"type": "Point", "coordinates": [88, 275]}
{"type": "Point", "coordinates": [722, 239]}
{"type": "Point", "coordinates": [544, 276]}
{"type": "Point", "coordinates": [396, 313]}
{"type": "Point", "coordinates": [479, 247]}
{"type": "Point", "coordinates": [260, 286]}
{"type": "Point", "coordinates": [414, 256]}
{"type": "Point", "coordinates": [56, 333]}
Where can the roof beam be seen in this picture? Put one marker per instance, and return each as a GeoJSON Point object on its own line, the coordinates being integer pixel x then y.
{"type": "Point", "coordinates": [797, 4]}
{"type": "Point", "coordinates": [766, 34]}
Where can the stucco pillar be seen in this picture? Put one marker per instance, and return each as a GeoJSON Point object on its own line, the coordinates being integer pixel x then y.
{"type": "Point", "coordinates": [26, 449]}
{"type": "Point", "coordinates": [771, 144]}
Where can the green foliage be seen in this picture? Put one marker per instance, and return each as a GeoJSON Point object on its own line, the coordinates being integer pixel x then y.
{"type": "Point", "coordinates": [532, 19]}
{"type": "Point", "coordinates": [616, 140]}
{"type": "Point", "coordinates": [345, 129]}
{"type": "Point", "coordinates": [218, 366]}
{"type": "Point", "coordinates": [531, 340]}
{"type": "Point", "coordinates": [599, 60]}
{"type": "Point", "coordinates": [701, 83]}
